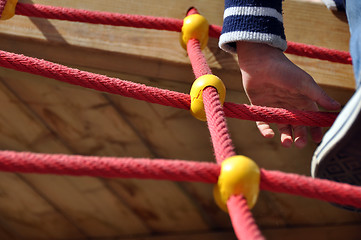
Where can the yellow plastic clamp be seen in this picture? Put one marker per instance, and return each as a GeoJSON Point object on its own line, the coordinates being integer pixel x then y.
{"type": "Point", "coordinates": [239, 175]}
{"type": "Point", "coordinates": [197, 27]}
{"type": "Point", "coordinates": [9, 9]}
{"type": "Point", "coordinates": [208, 80]}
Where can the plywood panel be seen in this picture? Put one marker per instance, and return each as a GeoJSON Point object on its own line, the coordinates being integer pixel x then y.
{"type": "Point", "coordinates": [82, 118]}
{"type": "Point", "coordinates": [89, 124]}
{"type": "Point", "coordinates": [90, 205]}
{"type": "Point", "coordinates": [160, 205]}
{"type": "Point", "coordinates": [24, 212]}
{"type": "Point", "coordinates": [22, 130]}
{"type": "Point", "coordinates": [26, 215]}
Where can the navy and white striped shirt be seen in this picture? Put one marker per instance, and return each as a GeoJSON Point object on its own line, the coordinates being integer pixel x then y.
{"type": "Point", "coordinates": [257, 21]}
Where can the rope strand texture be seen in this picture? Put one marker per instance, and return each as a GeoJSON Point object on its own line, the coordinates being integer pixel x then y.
{"type": "Point", "coordinates": [108, 167]}
{"type": "Point", "coordinates": [197, 59]}
{"type": "Point", "coordinates": [321, 189]}
{"type": "Point", "coordinates": [95, 17]}
{"type": "Point", "coordinates": [176, 170]}
{"type": "Point", "coordinates": [222, 143]}
{"type": "Point", "coordinates": [243, 223]}
{"type": "Point", "coordinates": [155, 95]}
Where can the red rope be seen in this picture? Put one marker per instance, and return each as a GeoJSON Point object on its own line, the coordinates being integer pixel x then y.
{"type": "Point", "coordinates": [222, 143]}
{"type": "Point", "coordinates": [160, 23]}
{"type": "Point", "coordinates": [243, 223]}
{"type": "Point", "coordinates": [108, 167]}
{"type": "Point", "coordinates": [156, 95]}
{"type": "Point", "coordinates": [279, 115]}
{"type": "Point", "coordinates": [197, 59]}
{"type": "Point", "coordinates": [321, 53]}
{"type": "Point", "coordinates": [321, 189]}
{"type": "Point", "coordinates": [241, 218]}
{"type": "Point", "coordinates": [93, 81]}
{"type": "Point", "coordinates": [95, 17]}
{"type": "Point", "coordinates": [176, 170]}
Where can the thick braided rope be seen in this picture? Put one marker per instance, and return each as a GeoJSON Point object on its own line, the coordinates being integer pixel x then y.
{"type": "Point", "coordinates": [108, 167]}
{"type": "Point", "coordinates": [197, 59]}
{"type": "Point", "coordinates": [93, 81]}
{"type": "Point", "coordinates": [95, 17]}
{"type": "Point", "coordinates": [279, 115]}
{"type": "Point", "coordinates": [242, 218]}
{"type": "Point", "coordinates": [217, 125]}
{"type": "Point", "coordinates": [222, 143]}
{"type": "Point", "coordinates": [176, 170]}
{"type": "Point", "coordinates": [321, 53]}
{"type": "Point", "coordinates": [155, 95]}
{"type": "Point", "coordinates": [160, 23]}
{"type": "Point", "coordinates": [321, 189]}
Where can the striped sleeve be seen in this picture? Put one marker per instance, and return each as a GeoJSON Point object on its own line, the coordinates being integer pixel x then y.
{"type": "Point", "coordinates": [254, 21]}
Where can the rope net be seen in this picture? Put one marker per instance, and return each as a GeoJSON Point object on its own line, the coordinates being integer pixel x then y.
{"type": "Point", "coordinates": [175, 170]}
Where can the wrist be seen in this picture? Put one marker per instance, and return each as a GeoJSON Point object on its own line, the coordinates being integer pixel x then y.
{"type": "Point", "coordinates": [251, 54]}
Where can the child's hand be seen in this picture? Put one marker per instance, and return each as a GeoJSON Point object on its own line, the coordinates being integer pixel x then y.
{"type": "Point", "coordinates": [271, 79]}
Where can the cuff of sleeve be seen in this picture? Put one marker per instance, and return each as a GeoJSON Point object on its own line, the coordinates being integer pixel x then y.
{"type": "Point", "coordinates": [258, 21]}
{"type": "Point", "coordinates": [227, 41]}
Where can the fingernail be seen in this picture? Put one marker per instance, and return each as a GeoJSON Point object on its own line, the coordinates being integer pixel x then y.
{"type": "Point", "coordinates": [300, 142]}
{"type": "Point", "coordinates": [287, 143]}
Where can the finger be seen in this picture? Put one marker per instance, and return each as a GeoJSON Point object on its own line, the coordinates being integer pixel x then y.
{"type": "Point", "coordinates": [317, 94]}
{"type": "Point", "coordinates": [316, 134]}
{"type": "Point", "coordinates": [300, 136]}
{"type": "Point", "coordinates": [286, 135]}
{"type": "Point", "coordinates": [265, 129]}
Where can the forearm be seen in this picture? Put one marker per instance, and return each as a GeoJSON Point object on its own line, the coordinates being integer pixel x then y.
{"type": "Point", "coordinates": [258, 21]}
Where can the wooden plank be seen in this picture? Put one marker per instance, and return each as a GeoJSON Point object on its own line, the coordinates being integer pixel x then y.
{"type": "Point", "coordinates": [23, 210]}
{"type": "Point", "coordinates": [163, 46]}
{"type": "Point", "coordinates": [21, 129]}
{"type": "Point", "coordinates": [163, 208]}
{"type": "Point", "coordinates": [26, 215]}
{"type": "Point", "coordinates": [90, 205]}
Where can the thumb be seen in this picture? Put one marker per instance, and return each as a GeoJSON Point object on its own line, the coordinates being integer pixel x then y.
{"type": "Point", "coordinates": [317, 94]}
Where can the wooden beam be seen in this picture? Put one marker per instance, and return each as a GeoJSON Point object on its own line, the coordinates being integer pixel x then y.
{"type": "Point", "coordinates": [163, 48]}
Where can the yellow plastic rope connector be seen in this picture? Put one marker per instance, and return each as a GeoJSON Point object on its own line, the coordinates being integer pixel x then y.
{"type": "Point", "coordinates": [9, 9]}
{"type": "Point", "coordinates": [197, 27]}
{"type": "Point", "coordinates": [208, 80]}
{"type": "Point", "coordinates": [239, 175]}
